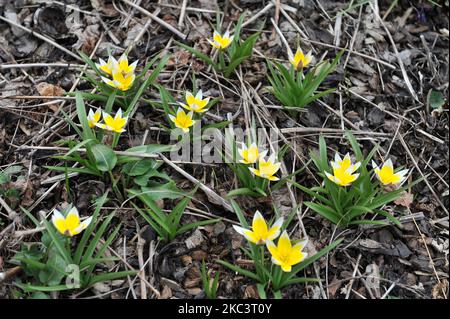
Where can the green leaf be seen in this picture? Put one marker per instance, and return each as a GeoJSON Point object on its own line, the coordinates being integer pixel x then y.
{"type": "Point", "coordinates": [4, 178]}
{"type": "Point", "coordinates": [157, 223]}
{"type": "Point", "coordinates": [368, 222]}
{"type": "Point", "coordinates": [111, 276]}
{"type": "Point", "coordinates": [39, 295]}
{"type": "Point", "coordinates": [435, 99]}
{"type": "Point", "coordinates": [105, 157]}
{"type": "Point", "coordinates": [239, 213]}
{"type": "Point", "coordinates": [301, 280]}
{"type": "Point", "coordinates": [162, 191]}
{"type": "Point", "coordinates": [237, 269]}
{"type": "Point", "coordinates": [325, 211]}
{"type": "Point", "coordinates": [390, 217]}
{"type": "Point", "coordinates": [243, 191]}
{"type": "Point", "coordinates": [14, 169]}
{"type": "Point", "coordinates": [146, 84]}
{"type": "Point", "coordinates": [175, 216]}
{"type": "Point", "coordinates": [88, 253]}
{"type": "Point", "coordinates": [355, 211]}
{"type": "Point", "coordinates": [82, 170]}
{"type": "Point", "coordinates": [27, 287]}
{"type": "Point", "coordinates": [78, 146]}
{"type": "Point", "coordinates": [198, 54]}
{"type": "Point", "coordinates": [55, 270]}
{"type": "Point", "coordinates": [277, 295]}
{"type": "Point", "coordinates": [82, 117]}
{"type": "Point", "coordinates": [139, 167]}
{"type": "Point", "coordinates": [190, 226]}
{"type": "Point", "coordinates": [261, 291]}
{"type": "Point", "coordinates": [96, 261]}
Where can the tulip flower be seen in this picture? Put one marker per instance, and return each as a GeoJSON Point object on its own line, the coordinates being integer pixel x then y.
{"type": "Point", "coordinates": [343, 170]}
{"type": "Point", "coordinates": [123, 66]}
{"type": "Point", "coordinates": [182, 120]}
{"type": "Point", "coordinates": [93, 117]}
{"type": "Point", "coordinates": [386, 174]}
{"type": "Point", "coordinates": [300, 60]}
{"type": "Point", "coordinates": [107, 67]}
{"type": "Point", "coordinates": [114, 124]}
{"type": "Point", "coordinates": [260, 232]}
{"type": "Point", "coordinates": [250, 155]}
{"type": "Point", "coordinates": [195, 103]}
{"type": "Point", "coordinates": [221, 42]}
{"type": "Point", "coordinates": [266, 169]}
{"type": "Point", "coordinates": [120, 81]}
{"type": "Point", "coordinates": [70, 225]}
{"type": "Point", "coordinates": [122, 73]}
{"type": "Point", "coordinates": [284, 254]}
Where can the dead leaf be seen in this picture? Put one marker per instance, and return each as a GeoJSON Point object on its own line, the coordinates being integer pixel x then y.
{"type": "Point", "coordinates": [440, 290]}
{"type": "Point", "coordinates": [186, 260]}
{"type": "Point", "coordinates": [334, 286]}
{"type": "Point", "coordinates": [199, 255]}
{"type": "Point", "coordinates": [194, 291]}
{"type": "Point", "coordinates": [47, 89]}
{"type": "Point", "coordinates": [106, 8]}
{"type": "Point", "coordinates": [251, 292]}
{"type": "Point", "coordinates": [179, 58]}
{"type": "Point", "coordinates": [166, 293]}
{"type": "Point", "coordinates": [405, 199]}
{"type": "Point", "coordinates": [194, 240]}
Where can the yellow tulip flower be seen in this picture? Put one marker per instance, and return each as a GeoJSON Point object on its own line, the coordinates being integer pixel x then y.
{"type": "Point", "coordinates": [70, 225]}
{"type": "Point", "coordinates": [93, 117]}
{"type": "Point", "coordinates": [122, 73]}
{"type": "Point", "coordinates": [120, 81]}
{"type": "Point", "coordinates": [386, 174]}
{"type": "Point", "coordinates": [250, 155]}
{"type": "Point", "coordinates": [266, 169]}
{"type": "Point", "coordinates": [123, 66]}
{"type": "Point", "coordinates": [285, 255]}
{"type": "Point", "coordinates": [182, 120]}
{"type": "Point", "coordinates": [300, 60]}
{"type": "Point", "coordinates": [343, 170]}
{"type": "Point", "coordinates": [260, 232]}
{"type": "Point", "coordinates": [114, 124]}
{"type": "Point", "coordinates": [221, 42]}
{"type": "Point", "coordinates": [195, 103]}
{"type": "Point", "coordinates": [107, 67]}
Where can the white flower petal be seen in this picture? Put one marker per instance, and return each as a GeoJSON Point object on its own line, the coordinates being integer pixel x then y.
{"type": "Point", "coordinates": [133, 65]}
{"type": "Point", "coordinates": [263, 154]}
{"type": "Point", "coordinates": [271, 158]}
{"type": "Point", "coordinates": [374, 165]}
{"type": "Point", "coordinates": [302, 244]}
{"type": "Point", "coordinates": [199, 95]}
{"type": "Point", "coordinates": [239, 230]}
{"type": "Point", "coordinates": [337, 158]}
{"type": "Point", "coordinates": [180, 111]}
{"type": "Point", "coordinates": [275, 261]}
{"type": "Point", "coordinates": [258, 216]}
{"type": "Point", "coordinates": [356, 166]}
{"type": "Point", "coordinates": [73, 211]}
{"type": "Point", "coordinates": [333, 178]}
{"type": "Point", "coordinates": [278, 224]}
{"type": "Point", "coordinates": [388, 163]}
{"type": "Point", "coordinates": [85, 223]}
{"type": "Point", "coordinates": [56, 215]}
